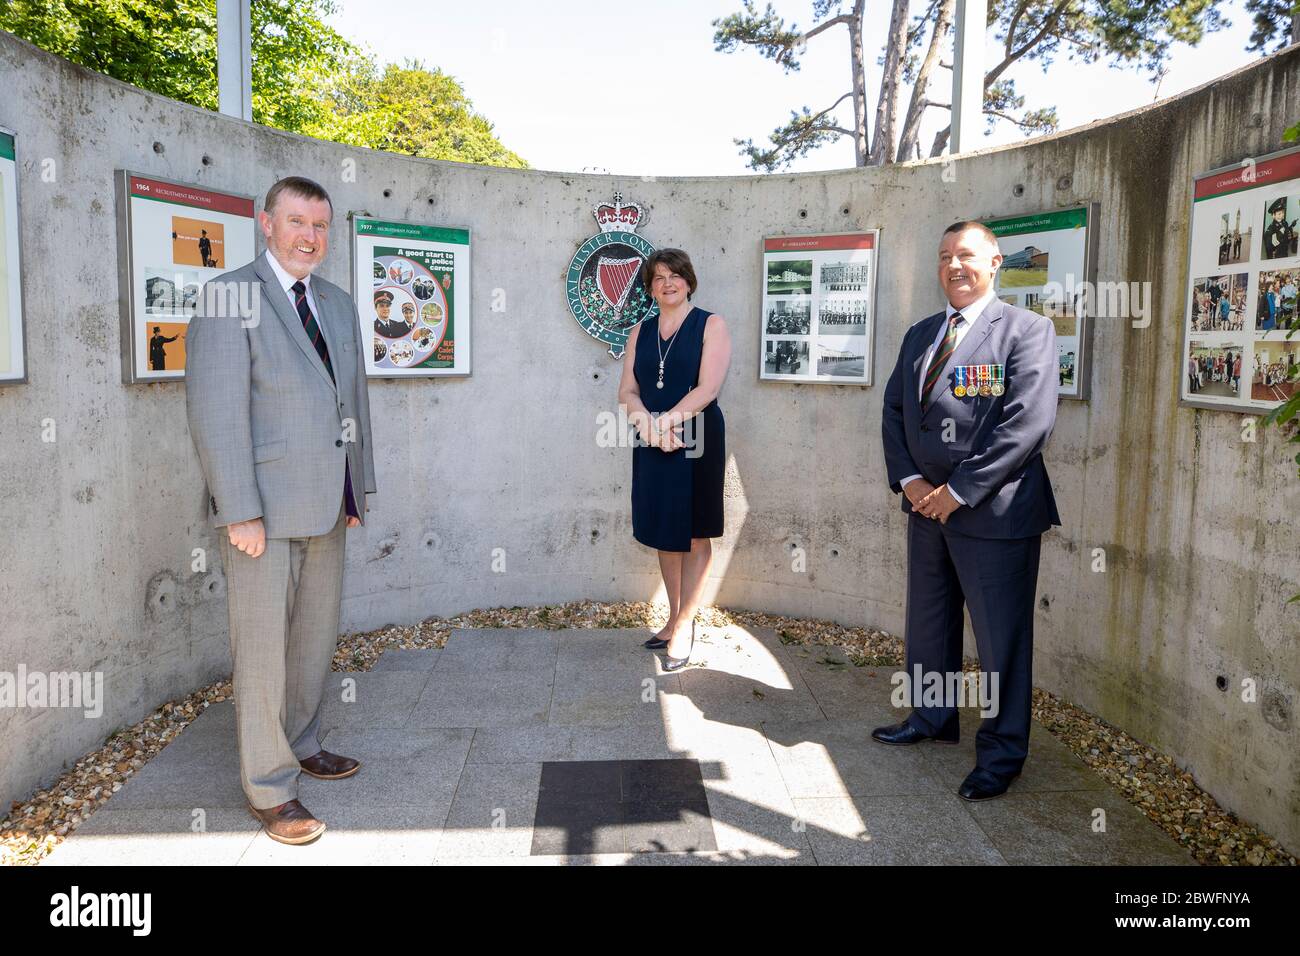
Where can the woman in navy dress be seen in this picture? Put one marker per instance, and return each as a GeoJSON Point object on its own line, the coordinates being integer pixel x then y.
{"type": "Point", "coordinates": [673, 369]}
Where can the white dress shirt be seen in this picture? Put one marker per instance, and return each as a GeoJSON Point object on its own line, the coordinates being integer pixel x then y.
{"type": "Point", "coordinates": [968, 317]}
{"type": "Point", "coordinates": [286, 283]}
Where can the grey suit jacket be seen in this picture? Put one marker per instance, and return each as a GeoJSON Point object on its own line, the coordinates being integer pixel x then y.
{"type": "Point", "coordinates": [271, 430]}
{"type": "Point", "coordinates": [994, 458]}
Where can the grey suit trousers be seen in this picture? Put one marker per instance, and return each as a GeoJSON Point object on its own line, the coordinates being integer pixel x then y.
{"type": "Point", "coordinates": [284, 625]}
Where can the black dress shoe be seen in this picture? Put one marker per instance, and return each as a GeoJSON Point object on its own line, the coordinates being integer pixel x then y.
{"type": "Point", "coordinates": [905, 733]}
{"type": "Point", "coordinates": [655, 644]}
{"type": "Point", "coordinates": [981, 784]}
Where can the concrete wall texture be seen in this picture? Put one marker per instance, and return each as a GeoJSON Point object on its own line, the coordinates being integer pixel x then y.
{"type": "Point", "coordinates": [1200, 529]}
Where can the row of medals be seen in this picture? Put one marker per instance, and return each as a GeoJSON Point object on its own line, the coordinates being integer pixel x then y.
{"type": "Point", "coordinates": [982, 380]}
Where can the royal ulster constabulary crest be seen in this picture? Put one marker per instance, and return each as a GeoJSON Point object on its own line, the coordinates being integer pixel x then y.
{"type": "Point", "coordinates": [604, 287]}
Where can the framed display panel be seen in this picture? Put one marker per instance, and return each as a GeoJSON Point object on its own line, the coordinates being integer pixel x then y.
{"type": "Point", "coordinates": [172, 238]}
{"type": "Point", "coordinates": [1049, 266]}
{"type": "Point", "coordinates": [411, 283]}
{"type": "Point", "coordinates": [818, 315]}
{"type": "Point", "coordinates": [13, 343]}
{"type": "Point", "coordinates": [1243, 272]}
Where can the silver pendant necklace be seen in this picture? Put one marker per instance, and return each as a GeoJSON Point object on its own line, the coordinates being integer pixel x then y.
{"type": "Point", "coordinates": [664, 355]}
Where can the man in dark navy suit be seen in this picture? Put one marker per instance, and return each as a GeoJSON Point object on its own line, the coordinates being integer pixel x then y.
{"type": "Point", "coordinates": [967, 411]}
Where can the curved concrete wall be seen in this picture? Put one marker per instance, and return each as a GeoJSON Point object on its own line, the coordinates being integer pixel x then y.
{"type": "Point", "coordinates": [1200, 529]}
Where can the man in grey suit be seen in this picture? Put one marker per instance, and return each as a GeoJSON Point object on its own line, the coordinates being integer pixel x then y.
{"type": "Point", "coordinates": [280, 417]}
{"type": "Point", "coordinates": [967, 411]}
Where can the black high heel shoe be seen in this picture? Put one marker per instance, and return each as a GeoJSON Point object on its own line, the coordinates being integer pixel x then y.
{"type": "Point", "coordinates": [677, 663]}
{"type": "Point", "coordinates": [655, 643]}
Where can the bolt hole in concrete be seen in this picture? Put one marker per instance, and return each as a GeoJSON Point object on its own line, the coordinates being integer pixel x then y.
{"type": "Point", "coordinates": [387, 193]}
{"type": "Point", "coordinates": [835, 552]}
{"type": "Point", "coordinates": [1018, 189]}
{"type": "Point", "coordinates": [1221, 682]}
{"type": "Point", "coordinates": [207, 160]}
{"type": "Point", "coordinates": [159, 148]}
{"type": "Point", "coordinates": [803, 213]}
{"type": "Point", "coordinates": [844, 211]}
{"type": "Point", "coordinates": [1065, 182]}
{"type": "Point", "coordinates": [430, 200]}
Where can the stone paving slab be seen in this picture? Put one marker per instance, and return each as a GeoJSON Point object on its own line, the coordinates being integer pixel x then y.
{"type": "Point", "coordinates": [425, 659]}
{"type": "Point", "coordinates": [159, 837]}
{"type": "Point", "coordinates": [912, 830]}
{"type": "Point", "coordinates": [199, 769]}
{"type": "Point", "coordinates": [508, 699]}
{"type": "Point", "coordinates": [1051, 765]}
{"type": "Point", "coordinates": [498, 650]}
{"type": "Point", "coordinates": [359, 836]}
{"type": "Point", "coordinates": [492, 815]}
{"type": "Point", "coordinates": [1061, 828]}
{"type": "Point", "coordinates": [744, 679]}
{"type": "Point", "coordinates": [384, 699]}
{"type": "Point", "coordinates": [453, 744]}
{"type": "Point", "coordinates": [837, 758]}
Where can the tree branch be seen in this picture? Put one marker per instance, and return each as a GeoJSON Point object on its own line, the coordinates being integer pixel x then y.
{"type": "Point", "coordinates": [844, 18]}
{"type": "Point", "coordinates": [1049, 23]}
{"type": "Point", "coordinates": [908, 142]}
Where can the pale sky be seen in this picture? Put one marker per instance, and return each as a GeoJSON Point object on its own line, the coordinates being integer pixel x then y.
{"type": "Point", "coordinates": [638, 88]}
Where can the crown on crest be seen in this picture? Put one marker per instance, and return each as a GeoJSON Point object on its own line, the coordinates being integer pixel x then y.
{"type": "Point", "coordinates": [618, 216]}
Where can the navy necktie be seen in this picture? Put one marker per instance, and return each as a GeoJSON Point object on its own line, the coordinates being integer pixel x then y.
{"type": "Point", "coordinates": [310, 326]}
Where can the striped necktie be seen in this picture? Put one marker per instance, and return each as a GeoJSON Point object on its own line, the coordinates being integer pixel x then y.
{"type": "Point", "coordinates": [309, 325]}
{"type": "Point", "coordinates": [941, 356]}
{"type": "Point", "coordinates": [313, 332]}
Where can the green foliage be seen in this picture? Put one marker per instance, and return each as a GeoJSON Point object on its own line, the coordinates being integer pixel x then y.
{"type": "Point", "coordinates": [307, 78]}
{"type": "Point", "coordinates": [170, 47]}
{"type": "Point", "coordinates": [1272, 23]}
{"type": "Point", "coordinates": [804, 132]}
{"type": "Point", "coordinates": [766, 32]}
{"type": "Point", "coordinates": [408, 109]}
{"type": "Point", "coordinates": [1135, 33]}
{"type": "Point", "coordinates": [1001, 101]}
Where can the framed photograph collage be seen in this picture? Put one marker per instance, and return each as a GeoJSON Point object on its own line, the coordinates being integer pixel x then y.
{"type": "Point", "coordinates": [1049, 259]}
{"type": "Point", "coordinates": [13, 358]}
{"type": "Point", "coordinates": [172, 238]}
{"type": "Point", "coordinates": [818, 308]}
{"type": "Point", "coordinates": [1243, 275]}
{"type": "Point", "coordinates": [411, 285]}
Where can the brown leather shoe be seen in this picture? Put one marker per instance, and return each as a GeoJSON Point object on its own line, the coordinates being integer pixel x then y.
{"type": "Point", "coordinates": [290, 823]}
{"type": "Point", "coordinates": [328, 766]}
